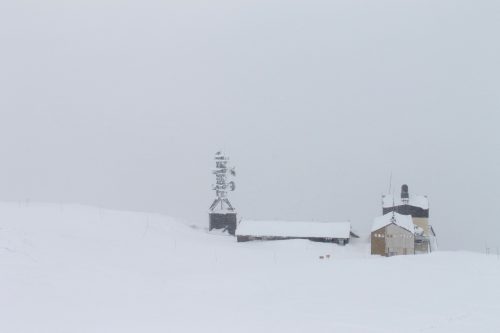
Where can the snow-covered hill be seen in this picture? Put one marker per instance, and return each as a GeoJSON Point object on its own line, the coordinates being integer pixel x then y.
{"type": "Point", "coordinates": [83, 269]}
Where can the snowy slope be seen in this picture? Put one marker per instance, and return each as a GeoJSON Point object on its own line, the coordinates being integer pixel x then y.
{"type": "Point", "coordinates": [84, 269]}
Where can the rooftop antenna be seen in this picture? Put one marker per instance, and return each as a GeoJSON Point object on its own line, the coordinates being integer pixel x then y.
{"type": "Point", "coordinates": [390, 183]}
{"type": "Point", "coordinates": [389, 190]}
{"type": "Point", "coordinates": [393, 219]}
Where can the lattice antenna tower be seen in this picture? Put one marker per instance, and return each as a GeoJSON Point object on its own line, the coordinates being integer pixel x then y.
{"type": "Point", "coordinates": [223, 172]}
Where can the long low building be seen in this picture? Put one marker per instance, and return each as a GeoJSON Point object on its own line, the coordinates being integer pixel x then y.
{"type": "Point", "coordinates": [333, 232]}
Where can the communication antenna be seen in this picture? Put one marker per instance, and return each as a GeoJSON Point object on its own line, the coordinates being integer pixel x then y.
{"type": "Point", "coordinates": [222, 186]}
{"type": "Point", "coordinates": [390, 183]}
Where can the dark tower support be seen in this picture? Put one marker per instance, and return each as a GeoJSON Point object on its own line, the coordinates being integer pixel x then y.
{"type": "Point", "coordinates": [226, 222]}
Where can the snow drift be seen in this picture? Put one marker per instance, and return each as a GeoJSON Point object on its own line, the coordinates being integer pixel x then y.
{"type": "Point", "coordinates": [83, 269]}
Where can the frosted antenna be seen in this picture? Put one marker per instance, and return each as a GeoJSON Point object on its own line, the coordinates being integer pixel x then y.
{"type": "Point", "coordinates": [222, 185]}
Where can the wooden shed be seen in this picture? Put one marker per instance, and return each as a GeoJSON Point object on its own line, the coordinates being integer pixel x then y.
{"type": "Point", "coordinates": [332, 232]}
{"type": "Point", "coordinates": [393, 234]}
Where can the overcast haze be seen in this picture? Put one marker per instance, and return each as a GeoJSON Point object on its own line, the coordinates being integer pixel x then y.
{"type": "Point", "coordinates": [122, 104]}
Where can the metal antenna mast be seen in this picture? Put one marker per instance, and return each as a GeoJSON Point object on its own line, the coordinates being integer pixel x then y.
{"type": "Point", "coordinates": [222, 186]}
{"type": "Point", "coordinates": [390, 183]}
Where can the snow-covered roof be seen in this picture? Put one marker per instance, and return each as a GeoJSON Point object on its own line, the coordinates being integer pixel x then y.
{"type": "Point", "coordinates": [404, 221]}
{"type": "Point", "coordinates": [390, 200]}
{"type": "Point", "coordinates": [294, 229]}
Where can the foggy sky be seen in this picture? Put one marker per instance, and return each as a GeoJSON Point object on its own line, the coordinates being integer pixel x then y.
{"type": "Point", "coordinates": [122, 104]}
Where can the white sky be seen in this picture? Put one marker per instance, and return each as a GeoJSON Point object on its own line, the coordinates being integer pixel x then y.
{"type": "Point", "coordinates": [123, 104]}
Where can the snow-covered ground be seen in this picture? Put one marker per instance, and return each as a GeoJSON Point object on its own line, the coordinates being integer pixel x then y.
{"type": "Point", "coordinates": [84, 269]}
